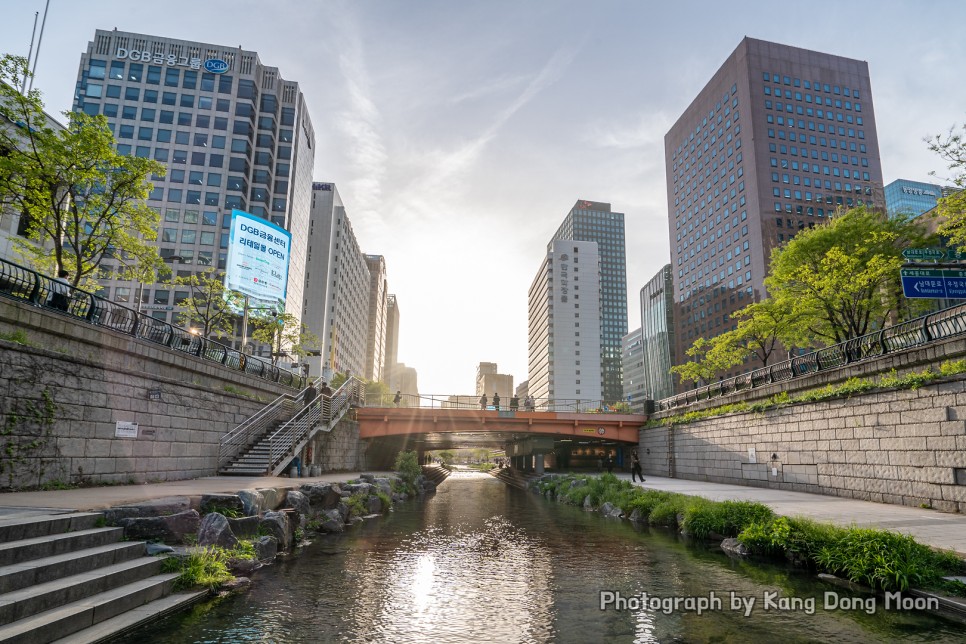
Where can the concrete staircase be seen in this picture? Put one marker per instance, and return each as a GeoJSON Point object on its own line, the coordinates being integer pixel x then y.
{"type": "Point", "coordinates": [62, 578]}
{"type": "Point", "coordinates": [435, 473]}
{"type": "Point", "coordinates": [513, 477]}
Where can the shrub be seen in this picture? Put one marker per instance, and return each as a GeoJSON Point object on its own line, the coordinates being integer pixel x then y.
{"type": "Point", "coordinates": [205, 567]}
{"type": "Point", "coordinates": [408, 468]}
{"type": "Point", "coordinates": [357, 504]}
{"type": "Point", "coordinates": [666, 512]}
{"type": "Point", "coordinates": [385, 498]}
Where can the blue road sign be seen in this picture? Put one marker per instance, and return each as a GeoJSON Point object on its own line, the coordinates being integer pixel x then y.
{"type": "Point", "coordinates": [923, 283]}
{"type": "Point", "coordinates": [955, 283]}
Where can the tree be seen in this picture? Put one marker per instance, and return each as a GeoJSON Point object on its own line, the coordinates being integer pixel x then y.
{"type": "Point", "coordinates": [209, 304]}
{"type": "Point", "coordinates": [840, 280]}
{"type": "Point", "coordinates": [951, 147]}
{"type": "Point", "coordinates": [81, 198]}
{"type": "Point", "coordinates": [284, 334]}
{"type": "Point", "coordinates": [761, 330]}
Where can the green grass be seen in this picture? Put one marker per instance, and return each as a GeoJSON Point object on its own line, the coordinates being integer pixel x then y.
{"type": "Point", "coordinates": [202, 567]}
{"type": "Point", "coordinates": [877, 558]}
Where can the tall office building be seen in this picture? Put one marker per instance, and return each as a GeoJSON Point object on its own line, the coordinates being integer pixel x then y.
{"type": "Point", "coordinates": [233, 133]}
{"type": "Point", "coordinates": [632, 361]}
{"type": "Point", "coordinates": [392, 340]}
{"type": "Point", "coordinates": [657, 334]}
{"type": "Point", "coordinates": [336, 287]}
{"type": "Point", "coordinates": [595, 222]}
{"type": "Point", "coordinates": [776, 141]}
{"type": "Point", "coordinates": [912, 197]}
{"type": "Point", "coordinates": [564, 322]}
{"type": "Point", "coordinates": [378, 312]}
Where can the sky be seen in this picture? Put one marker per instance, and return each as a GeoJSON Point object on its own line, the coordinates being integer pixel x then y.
{"type": "Point", "coordinates": [459, 134]}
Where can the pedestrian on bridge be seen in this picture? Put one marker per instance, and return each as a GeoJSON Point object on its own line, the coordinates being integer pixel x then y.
{"type": "Point", "coordinates": [483, 402]}
{"type": "Point", "coordinates": [528, 404]}
{"type": "Point", "coordinates": [514, 403]}
{"type": "Point", "coordinates": [496, 401]}
{"type": "Point", "coordinates": [397, 398]}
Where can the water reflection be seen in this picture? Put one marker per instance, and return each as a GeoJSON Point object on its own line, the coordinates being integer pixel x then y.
{"type": "Point", "coordinates": [480, 562]}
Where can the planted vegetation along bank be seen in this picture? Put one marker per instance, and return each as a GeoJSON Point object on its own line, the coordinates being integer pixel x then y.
{"type": "Point", "coordinates": [850, 387]}
{"type": "Point", "coordinates": [880, 559]}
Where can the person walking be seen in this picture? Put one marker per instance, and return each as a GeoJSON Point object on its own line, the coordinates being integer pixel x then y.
{"type": "Point", "coordinates": [528, 404]}
{"type": "Point", "coordinates": [326, 393]}
{"type": "Point", "coordinates": [60, 291]}
{"type": "Point", "coordinates": [610, 464]}
{"type": "Point", "coordinates": [310, 394]}
{"type": "Point", "coordinates": [636, 467]}
{"type": "Point", "coordinates": [483, 402]}
{"type": "Point", "coordinates": [496, 401]}
{"type": "Point", "coordinates": [514, 403]}
{"type": "Point", "coordinates": [397, 398]}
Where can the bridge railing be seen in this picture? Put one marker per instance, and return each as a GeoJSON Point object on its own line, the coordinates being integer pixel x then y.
{"type": "Point", "coordinates": [430, 401]}
{"type": "Point", "coordinates": [22, 284]}
{"type": "Point", "coordinates": [921, 331]}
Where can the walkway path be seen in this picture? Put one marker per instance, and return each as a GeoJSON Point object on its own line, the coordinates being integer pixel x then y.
{"type": "Point", "coordinates": [99, 498]}
{"type": "Point", "coordinates": [938, 529]}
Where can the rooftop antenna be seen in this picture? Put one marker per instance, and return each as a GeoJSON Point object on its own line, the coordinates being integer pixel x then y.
{"type": "Point", "coordinates": [30, 52]}
{"type": "Point", "coordinates": [39, 41]}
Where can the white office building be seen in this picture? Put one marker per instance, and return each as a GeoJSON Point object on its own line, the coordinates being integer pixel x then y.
{"type": "Point", "coordinates": [564, 328]}
{"type": "Point", "coordinates": [336, 287]}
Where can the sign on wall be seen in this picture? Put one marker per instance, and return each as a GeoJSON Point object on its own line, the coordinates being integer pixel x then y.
{"type": "Point", "coordinates": [258, 259]}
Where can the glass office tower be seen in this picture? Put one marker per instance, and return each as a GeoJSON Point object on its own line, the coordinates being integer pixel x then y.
{"type": "Point", "coordinates": [594, 221]}
{"type": "Point", "coordinates": [233, 133]}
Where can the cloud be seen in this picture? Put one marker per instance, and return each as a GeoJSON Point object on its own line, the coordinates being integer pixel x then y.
{"type": "Point", "coordinates": [649, 130]}
{"type": "Point", "coordinates": [360, 122]}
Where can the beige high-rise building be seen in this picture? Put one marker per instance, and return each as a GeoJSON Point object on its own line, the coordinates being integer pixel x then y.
{"type": "Point", "coordinates": [378, 314]}
{"type": "Point", "coordinates": [488, 381]}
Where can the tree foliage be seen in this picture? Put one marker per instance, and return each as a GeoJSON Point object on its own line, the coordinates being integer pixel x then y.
{"type": "Point", "coordinates": [83, 201]}
{"type": "Point", "coordinates": [840, 280]}
{"type": "Point", "coordinates": [284, 334]}
{"type": "Point", "coordinates": [209, 304]}
{"type": "Point", "coordinates": [951, 147]}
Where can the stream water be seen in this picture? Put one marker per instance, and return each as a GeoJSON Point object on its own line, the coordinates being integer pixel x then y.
{"type": "Point", "coordinates": [481, 562]}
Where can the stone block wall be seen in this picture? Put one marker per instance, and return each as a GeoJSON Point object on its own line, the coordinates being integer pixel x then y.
{"type": "Point", "coordinates": [68, 387]}
{"type": "Point", "coordinates": [337, 450]}
{"type": "Point", "coordinates": [905, 447]}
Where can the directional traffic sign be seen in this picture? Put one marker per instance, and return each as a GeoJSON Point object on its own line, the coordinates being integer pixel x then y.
{"type": "Point", "coordinates": [922, 283]}
{"type": "Point", "coordinates": [955, 283]}
{"type": "Point", "coordinates": [923, 253]}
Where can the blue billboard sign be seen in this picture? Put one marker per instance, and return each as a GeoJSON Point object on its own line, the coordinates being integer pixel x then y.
{"type": "Point", "coordinates": [258, 259]}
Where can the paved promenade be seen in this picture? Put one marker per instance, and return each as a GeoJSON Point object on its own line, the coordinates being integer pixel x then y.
{"type": "Point", "coordinates": [935, 528]}
{"type": "Point", "coordinates": [99, 498]}
{"type": "Point", "coordinates": [938, 529]}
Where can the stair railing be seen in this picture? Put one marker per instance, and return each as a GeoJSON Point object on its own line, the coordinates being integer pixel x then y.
{"type": "Point", "coordinates": [325, 411]}
{"type": "Point", "coordinates": [246, 434]}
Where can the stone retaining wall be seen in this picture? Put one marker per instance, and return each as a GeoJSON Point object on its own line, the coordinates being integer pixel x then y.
{"type": "Point", "coordinates": [338, 450]}
{"type": "Point", "coordinates": [65, 392]}
{"type": "Point", "coordinates": [895, 446]}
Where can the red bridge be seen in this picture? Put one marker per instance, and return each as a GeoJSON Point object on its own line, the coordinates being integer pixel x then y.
{"type": "Point", "coordinates": [569, 439]}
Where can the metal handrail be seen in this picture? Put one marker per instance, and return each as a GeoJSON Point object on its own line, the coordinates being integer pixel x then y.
{"type": "Point", "coordinates": [20, 283]}
{"type": "Point", "coordinates": [467, 401]}
{"type": "Point", "coordinates": [287, 440]}
{"type": "Point", "coordinates": [918, 332]}
{"type": "Point", "coordinates": [244, 435]}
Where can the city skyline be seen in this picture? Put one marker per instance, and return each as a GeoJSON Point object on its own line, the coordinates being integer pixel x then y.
{"type": "Point", "coordinates": [459, 152]}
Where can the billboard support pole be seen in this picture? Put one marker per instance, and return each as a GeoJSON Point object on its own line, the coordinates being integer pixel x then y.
{"type": "Point", "coordinates": [244, 334]}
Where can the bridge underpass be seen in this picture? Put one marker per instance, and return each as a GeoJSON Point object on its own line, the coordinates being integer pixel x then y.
{"type": "Point", "coordinates": [532, 440]}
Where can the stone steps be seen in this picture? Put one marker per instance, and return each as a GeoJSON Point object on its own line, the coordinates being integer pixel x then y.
{"type": "Point", "coordinates": [61, 577]}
